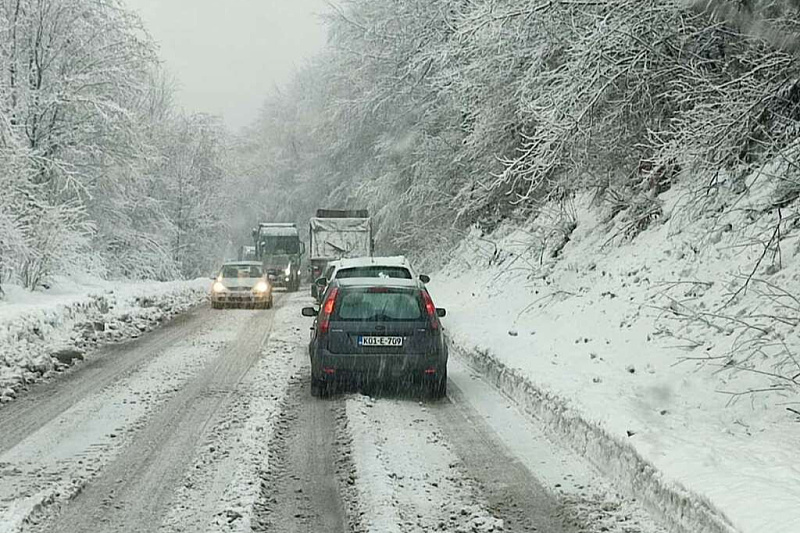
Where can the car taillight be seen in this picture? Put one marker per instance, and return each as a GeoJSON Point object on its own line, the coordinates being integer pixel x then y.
{"type": "Point", "coordinates": [430, 309]}
{"type": "Point", "coordinates": [327, 310]}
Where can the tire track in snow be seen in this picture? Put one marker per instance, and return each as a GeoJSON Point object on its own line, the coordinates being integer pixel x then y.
{"type": "Point", "coordinates": [406, 478]}
{"type": "Point", "coordinates": [300, 486]}
{"type": "Point", "coordinates": [220, 490]}
{"type": "Point", "coordinates": [54, 463]}
{"type": "Point", "coordinates": [134, 492]}
{"type": "Point", "coordinates": [107, 366]}
{"type": "Point", "coordinates": [444, 466]}
{"type": "Point", "coordinates": [612, 461]}
{"type": "Point", "coordinates": [528, 477]}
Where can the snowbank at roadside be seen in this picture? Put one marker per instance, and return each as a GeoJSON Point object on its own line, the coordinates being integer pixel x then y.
{"type": "Point", "coordinates": [47, 331]}
{"type": "Point", "coordinates": [651, 344]}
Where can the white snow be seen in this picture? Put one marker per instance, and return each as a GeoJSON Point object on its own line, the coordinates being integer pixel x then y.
{"type": "Point", "coordinates": [406, 477]}
{"type": "Point", "coordinates": [631, 340]}
{"type": "Point", "coordinates": [221, 489]}
{"type": "Point", "coordinates": [53, 464]}
{"type": "Point", "coordinates": [35, 325]}
{"type": "Point", "coordinates": [587, 497]}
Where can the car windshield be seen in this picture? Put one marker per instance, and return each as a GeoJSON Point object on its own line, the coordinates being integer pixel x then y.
{"type": "Point", "coordinates": [374, 272]}
{"type": "Point", "coordinates": [378, 304]}
{"type": "Point", "coordinates": [241, 271]}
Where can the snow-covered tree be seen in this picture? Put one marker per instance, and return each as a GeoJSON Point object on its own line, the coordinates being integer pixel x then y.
{"type": "Point", "coordinates": [447, 114]}
{"type": "Point", "coordinates": [98, 169]}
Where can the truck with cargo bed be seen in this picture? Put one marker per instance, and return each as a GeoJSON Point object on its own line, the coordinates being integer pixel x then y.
{"type": "Point", "coordinates": [338, 234]}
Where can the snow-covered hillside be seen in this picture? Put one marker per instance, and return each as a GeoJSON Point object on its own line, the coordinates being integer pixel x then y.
{"type": "Point", "coordinates": [676, 350]}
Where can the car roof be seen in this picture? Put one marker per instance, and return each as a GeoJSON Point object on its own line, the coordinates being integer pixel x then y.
{"type": "Point", "coordinates": [355, 262]}
{"type": "Point", "coordinates": [378, 282]}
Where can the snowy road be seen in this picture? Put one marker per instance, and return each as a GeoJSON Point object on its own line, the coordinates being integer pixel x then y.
{"type": "Point", "coordinates": [207, 425]}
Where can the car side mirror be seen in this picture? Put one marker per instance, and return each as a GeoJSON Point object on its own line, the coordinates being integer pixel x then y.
{"type": "Point", "coordinates": [309, 311]}
{"type": "Point", "coordinates": [441, 312]}
{"type": "Point", "coordinates": [424, 278]}
{"type": "Point", "coordinates": [321, 282]}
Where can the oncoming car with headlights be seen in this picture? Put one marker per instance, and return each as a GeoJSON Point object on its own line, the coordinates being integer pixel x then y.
{"type": "Point", "coordinates": [241, 284]}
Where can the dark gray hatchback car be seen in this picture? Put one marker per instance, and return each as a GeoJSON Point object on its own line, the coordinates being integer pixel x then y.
{"type": "Point", "coordinates": [377, 329]}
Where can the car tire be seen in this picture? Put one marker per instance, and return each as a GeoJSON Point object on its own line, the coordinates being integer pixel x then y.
{"type": "Point", "coordinates": [268, 304]}
{"type": "Point", "coordinates": [319, 388]}
{"type": "Point", "coordinates": [436, 388]}
{"type": "Point", "coordinates": [216, 305]}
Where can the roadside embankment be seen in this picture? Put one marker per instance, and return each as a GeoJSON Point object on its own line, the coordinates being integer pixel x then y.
{"type": "Point", "coordinates": [666, 359]}
{"type": "Point", "coordinates": [43, 333]}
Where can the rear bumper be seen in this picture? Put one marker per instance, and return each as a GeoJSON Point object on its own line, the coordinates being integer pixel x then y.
{"type": "Point", "coordinates": [329, 367]}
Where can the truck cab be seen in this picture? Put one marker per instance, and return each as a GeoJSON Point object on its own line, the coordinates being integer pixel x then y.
{"type": "Point", "coordinates": [280, 250]}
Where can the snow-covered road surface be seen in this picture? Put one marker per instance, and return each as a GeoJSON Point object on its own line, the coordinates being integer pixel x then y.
{"type": "Point", "coordinates": [207, 425]}
{"type": "Point", "coordinates": [107, 444]}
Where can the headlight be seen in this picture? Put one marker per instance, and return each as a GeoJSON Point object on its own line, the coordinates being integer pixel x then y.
{"type": "Point", "coordinates": [288, 270]}
{"type": "Point", "coordinates": [261, 286]}
{"type": "Point", "coordinates": [218, 287]}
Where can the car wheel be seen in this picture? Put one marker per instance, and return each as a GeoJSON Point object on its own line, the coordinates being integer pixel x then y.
{"type": "Point", "coordinates": [436, 388]}
{"type": "Point", "coordinates": [269, 303]}
{"type": "Point", "coordinates": [319, 388]}
{"type": "Point", "coordinates": [216, 305]}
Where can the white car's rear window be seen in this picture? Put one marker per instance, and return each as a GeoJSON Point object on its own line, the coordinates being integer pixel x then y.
{"type": "Point", "coordinates": [374, 272]}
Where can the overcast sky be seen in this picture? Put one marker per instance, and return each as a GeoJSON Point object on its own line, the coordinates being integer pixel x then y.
{"type": "Point", "coordinates": [227, 55]}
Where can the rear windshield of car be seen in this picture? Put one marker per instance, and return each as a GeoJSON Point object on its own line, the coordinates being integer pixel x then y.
{"type": "Point", "coordinates": [378, 304]}
{"type": "Point", "coordinates": [374, 272]}
{"type": "Point", "coordinates": [241, 271]}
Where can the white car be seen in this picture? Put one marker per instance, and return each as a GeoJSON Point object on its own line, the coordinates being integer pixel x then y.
{"type": "Point", "coordinates": [241, 284]}
{"type": "Point", "coordinates": [318, 287]}
{"type": "Point", "coordinates": [397, 267]}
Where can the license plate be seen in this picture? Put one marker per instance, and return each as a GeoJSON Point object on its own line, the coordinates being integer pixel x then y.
{"type": "Point", "coordinates": [380, 341]}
